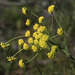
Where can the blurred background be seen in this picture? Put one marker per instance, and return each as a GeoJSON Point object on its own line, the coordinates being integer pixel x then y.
{"type": "Point", "coordinates": [12, 24]}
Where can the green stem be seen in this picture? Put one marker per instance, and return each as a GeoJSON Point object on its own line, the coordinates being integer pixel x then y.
{"type": "Point", "coordinates": [57, 21]}
{"type": "Point", "coordinates": [17, 52]}
{"type": "Point", "coordinates": [14, 39]}
{"type": "Point", "coordinates": [48, 48]}
{"type": "Point", "coordinates": [53, 36]}
{"type": "Point", "coordinates": [43, 24]}
{"type": "Point", "coordinates": [34, 14]}
{"type": "Point", "coordinates": [52, 24]}
{"type": "Point", "coordinates": [32, 58]}
{"type": "Point", "coordinates": [38, 68]}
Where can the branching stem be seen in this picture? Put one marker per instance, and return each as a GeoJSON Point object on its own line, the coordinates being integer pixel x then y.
{"type": "Point", "coordinates": [14, 38]}
{"type": "Point", "coordinates": [32, 58]}
{"type": "Point", "coordinates": [17, 52]}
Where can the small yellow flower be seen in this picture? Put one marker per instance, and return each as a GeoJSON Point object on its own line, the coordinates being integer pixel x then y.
{"type": "Point", "coordinates": [40, 19]}
{"type": "Point", "coordinates": [51, 8]}
{"type": "Point", "coordinates": [36, 42]}
{"type": "Point", "coordinates": [40, 35]}
{"type": "Point", "coordinates": [28, 22]}
{"type": "Point", "coordinates": [41, 29]}
{"type": "Point", "coordinates": [45, 37]}
{"type": "Point", "coordinates": [21, 64]}
{"type": "Point", "coordinates": [25, 46]}
{"type": "Point", "coordinates": [35, 35]}
{"type": "Point", "coordinates": [51, 54]}
{"type": "Point", "coordinates": [60, 31]}
{"type": "Point", "coordinates": [24, 10]}
{"type": "Point", "coordinates": [42, 44]}
{"type": "Point", "coordinates": [34, 48]}
{"type": "Point", "coordinates": [54, 48]}
{"type": "Point", "coordinates": [35, 27]}
{"type": "Point", "coordinates": [11, 59]}
{"type": "Point", "coordinates": [20, 41]}
{"type": "Point", "coordinates": [30, 40]}
{"type": "Point", "coordinates": [27, 34]}
{"type": "Point", "coordinates": [3, 45]}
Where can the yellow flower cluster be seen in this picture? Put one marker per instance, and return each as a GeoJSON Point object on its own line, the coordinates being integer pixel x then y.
{"type": "Point", "coordinates": [20, 41]}
{"type": "Point", "coordinates": [30, 40]}
{"type": "Point", "coordinates": [40, 37]}
{"type": "Point", "coordinates": [21, 64]}
{"type": "Point", "coordinates": [27, 34]}
{"type": "Point", "coordinates": [3, 45]}
{"type": "Point", "coordinates": [60, 31]}
{"type": "Point", "coordinates": [45, 37]}
{"type": "Point", "coordinates": [28, 22]}
{"type": "Point", "coordinates": [41, 29]}
{"type": "Point", "coordinates": [36, 42]}
{"type": "Point", "coordinates": [40, 19]}
{"type": "Point", "coordinates": [35, 35]}
{"type": "Point", "coordinates": [42, 41]}
{"type": "Point", "coordinates": [35, 27]}
{"type": "Point", "coordinates": [11, 58]}
{"type": "Point", "coordinates": [53, 52]}
{"type": "Point", "coordinates": [25, 46]}
{"type": "Point", "coordinates": [24, 10]}
{"type": "Point", "coordinates": [34, 48]}
{"type": "Point", "coordinates": [42, 44]}
{"type": "Point", "coordinates": [51, 8]}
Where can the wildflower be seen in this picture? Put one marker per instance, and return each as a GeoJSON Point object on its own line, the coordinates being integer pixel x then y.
{"type": "Point", "coordinates": [45, 37]}
{"type": "Point", "coordinates": [40, 35]}
{"type": "Point", "coordinates": [51, 8]}
{"type": "Point", "coordinates": [35, 27]}
{"type": "Point", "coordinates": [53, 52]}
{"type": "Point", "coordinates": [11, 58]}
{"type": "Point", "coordinates": [27, 34]}
{"type": "Point", "coordinates": [21, 64]}
{"type": "Point", "coordinates": [30, 40]}
{"type": "Point", "coordinates": [50, 55]}
{"type": "Point", "coordinates": [34, 48]}
{"type": "Point", "coordinates": [60, 31]}
{"type": "Point", "coordinates": [25, 46]}
{"type": "Point", "coordinates": [42, 44]}
{"type": "Point", "coordinates": [20, 41]}
{"type": "Point", "coordinates": [41, 29]}
{"type": "Point", "coordinates": [24, 10]}
{"type": "Point", "coordinates": [36, 42]}
{"type": "Point", "coordinates": [54, 48]}
{"type": "Point", "coordinates": [28, 22]}
{"type": "Point", "coordinates": [40, 19]}
{"type": "Point", "coordinates": [3, 45]}
{"type": "Point", "coordinates": [35, 35]}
